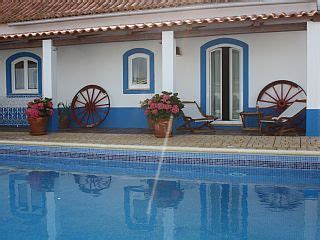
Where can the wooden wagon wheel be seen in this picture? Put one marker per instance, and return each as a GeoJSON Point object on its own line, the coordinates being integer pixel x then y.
{"type": "Point", "coordinates": [90, 106]}
{"type": "Point", "coordinates": [279, 95]}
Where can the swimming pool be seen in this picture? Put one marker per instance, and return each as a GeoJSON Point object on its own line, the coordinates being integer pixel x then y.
{"type": "Point", "coordinates": [122, 200]}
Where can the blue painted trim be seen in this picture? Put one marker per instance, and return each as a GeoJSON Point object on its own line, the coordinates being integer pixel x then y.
{"type": "Point", "coordinates": [9, 73]}
{"type": "Point", "coordinates": [313, 122]}
{"type": "Point", "coordinates": [203, 69]}
{"type": "Point", "coordinates": [126, 56]}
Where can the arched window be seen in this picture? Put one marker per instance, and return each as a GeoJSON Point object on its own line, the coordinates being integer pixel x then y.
{"type": "Point", "coordinates": [23, 71]}
{"type": "Point", "coordinates": [138, 71]}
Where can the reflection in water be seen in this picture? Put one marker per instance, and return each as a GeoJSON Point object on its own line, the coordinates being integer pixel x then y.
{"type": "Point", "coordinates": [27, 193]}
{"type": "Point", "coordinates": [181, 210]}
{"type": "Point", "coordinates": [167, 194]}
{"type": "Point", "coordinates": [224, 210]}
{"type": "Point", "coordinates": [136, 204]}
{"type": "Point", "coordinates": [279, 198]}
{"type": "Point", "coordinates": [92, 184]}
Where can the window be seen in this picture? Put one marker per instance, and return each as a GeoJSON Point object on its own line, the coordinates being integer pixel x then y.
{"type": "Point", "coordinates": [23, 74]}
{"type": "Point", "coordinates": [139, 76]}
{"type": "Point", "coordinates": [138, 71]}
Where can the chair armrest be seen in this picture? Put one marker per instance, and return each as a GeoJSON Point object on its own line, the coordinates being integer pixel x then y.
{"type": "Point", "coordinates": [267, 118]}
{"type": "Point", "coordinates": [210, 117]}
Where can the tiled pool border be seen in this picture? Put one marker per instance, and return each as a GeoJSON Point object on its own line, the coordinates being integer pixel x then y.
{"type": "Point", "coordinates": [231, 159]}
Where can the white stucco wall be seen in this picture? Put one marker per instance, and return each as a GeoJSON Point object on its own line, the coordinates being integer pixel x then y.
{"type": "Point", "coordinates": [101, 64]}
{"type": "Point", "coordinates": [272, 56]}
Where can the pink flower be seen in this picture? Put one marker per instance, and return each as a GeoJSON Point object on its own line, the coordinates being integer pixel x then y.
{"type": "Point", "coordinates": [165, 97]}
{"type": "Point", "coordinates": [50, 105]}
{"type": "Point", "coordinates": [41, 105]}
{"type": "Point", "coordinates": [34, 106]}
{"type": "Point", "coordinates": [168, 106]}
{"type": "Point", "coordinates": [32, 113]}
{"type": "Point", "coordinates": [153, 105]}
{"type": "Point", "coordinates": [175, 109]}
{"type": "Point", "coordinates": [155, 112]}
{"type": "Point", "coordinates": [161, 106]}
{"type": "Point", "coordinates": [30, 104]}
{"type": "Point", "coordinates": [146, 112]}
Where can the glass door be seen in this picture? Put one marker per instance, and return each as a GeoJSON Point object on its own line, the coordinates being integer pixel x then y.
{"type": "Point", "coordinates": [225, 83]}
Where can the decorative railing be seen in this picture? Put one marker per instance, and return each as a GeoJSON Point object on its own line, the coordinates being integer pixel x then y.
{"type": "Point", "coordinates": [12, 111]}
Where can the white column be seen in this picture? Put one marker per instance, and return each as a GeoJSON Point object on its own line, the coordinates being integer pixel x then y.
{"type": "Point", "coordinates": [313, 78]}
{"type": "Point", "coordinates": [168, 60]}
{"type": "Point", "coordinates": [168, 224]}
{"type": "Point", "coordinates": [48, 69]}
{"type": "Point", "coordinates": [51, 216]}
{"type": "Point", "coordinates": [310, 219]}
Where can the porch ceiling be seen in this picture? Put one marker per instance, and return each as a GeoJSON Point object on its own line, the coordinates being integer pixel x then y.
{"type": "Point", "coordinates": [152, 31]}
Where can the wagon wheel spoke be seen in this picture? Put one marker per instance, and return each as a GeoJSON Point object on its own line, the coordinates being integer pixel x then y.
{"type": "Point", "coordinates": [104, 97]}
{"type": "Point", "coordinates": [100, 119]}
{"type": "Point", "coordinates": [81, 111]}
{"type": "Point", "coordinates": [276, 93]}
{"type": "Point", "coordinates": [288, 92]}
{"type": "Point", "coordinates": [271, 96]}
{"type": "Point", "coordinates": [83, 117]}
{"type": "Point", "coordinates": [295, 95]}
{"type": "Point", "coordinates": [92, 117]}
{"type": "Point", "coordinates": [267, 101]}
{"type": "Point", "coordinates": [92, 95]}
{"type": "Point", "coordinates": [89, 100]}
{"type": "Point", "coordinates": [97, 97]}
{"type": "Point", "coordinates": [80, 102]}
{"type": "Point", "coordinates": [88, 120]}
{"type": "Point", "coordinates": [101, 105]}
{"type": "Point", "coordinates": [281, 91]}
{"type": "Point", "coordinates": [101, 110]}
{"type": "Point", "coordinates": [83, 96]}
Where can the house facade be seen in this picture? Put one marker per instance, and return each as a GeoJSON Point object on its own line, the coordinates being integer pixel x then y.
{"type": "Point", "coordinates": [220, 54]}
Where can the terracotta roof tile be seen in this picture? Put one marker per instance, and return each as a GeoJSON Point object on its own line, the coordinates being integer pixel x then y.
{"type": "Point", "coordinates": [27, 10]}
{"type": "Point", "coordinates": [149, 25]}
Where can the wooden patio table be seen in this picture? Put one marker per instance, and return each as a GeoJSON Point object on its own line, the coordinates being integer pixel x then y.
{"type": "Point", "coordinates": [245, 115]}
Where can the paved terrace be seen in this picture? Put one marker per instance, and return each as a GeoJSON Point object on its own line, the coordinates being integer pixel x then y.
{"type": "Point", "coordinates": [125, 139]}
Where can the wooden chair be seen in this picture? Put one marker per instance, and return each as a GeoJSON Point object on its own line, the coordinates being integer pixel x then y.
{"type": "Point", "coordinates": [192, 115]}
{"type": "Point", "coordinates": [287, 121]}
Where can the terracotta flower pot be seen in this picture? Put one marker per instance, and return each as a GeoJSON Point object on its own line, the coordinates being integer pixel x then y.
{"type": "Point", "coordinates": [151, 123]}
{"type": "Point", "coordinates": [163, 128]}
{"type": "Point", "coordinates": [64, 122]}
{"type": "Point", "coordinates": [38, 126]}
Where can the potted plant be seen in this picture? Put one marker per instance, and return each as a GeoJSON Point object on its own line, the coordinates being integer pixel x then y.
{"type": "Point", "coordinates": [144, 105]}
{"type": "Point", "coordinates": [38, 112]}
{"type": "Point", "coordinates": [163, 108]}
{"type": "Point", "coordinates": [63, 112]}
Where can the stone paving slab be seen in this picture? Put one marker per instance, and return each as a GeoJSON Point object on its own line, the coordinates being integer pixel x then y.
{"type": "Point", "coordinates": [187, 140]}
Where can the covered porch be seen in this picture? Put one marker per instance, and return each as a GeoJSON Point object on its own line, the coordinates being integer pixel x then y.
{"type": "Point", "coordinates": [271, 47]}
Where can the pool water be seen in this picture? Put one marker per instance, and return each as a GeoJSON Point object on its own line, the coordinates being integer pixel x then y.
{"type": "Point", "coordinates": [63, 205]}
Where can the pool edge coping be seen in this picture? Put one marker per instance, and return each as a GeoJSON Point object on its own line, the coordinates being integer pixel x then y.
{"type": "Point", "coordinates": [166, 149]}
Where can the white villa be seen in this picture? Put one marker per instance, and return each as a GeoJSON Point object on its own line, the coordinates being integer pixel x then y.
{"type": "Point", "coordinates": [219, 53]}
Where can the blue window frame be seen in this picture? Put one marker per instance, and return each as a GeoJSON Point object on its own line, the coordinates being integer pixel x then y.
{"type": "Point", "coordinates": [138, 71]}
{"type": "Point", "coordinates": [24, 75]}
